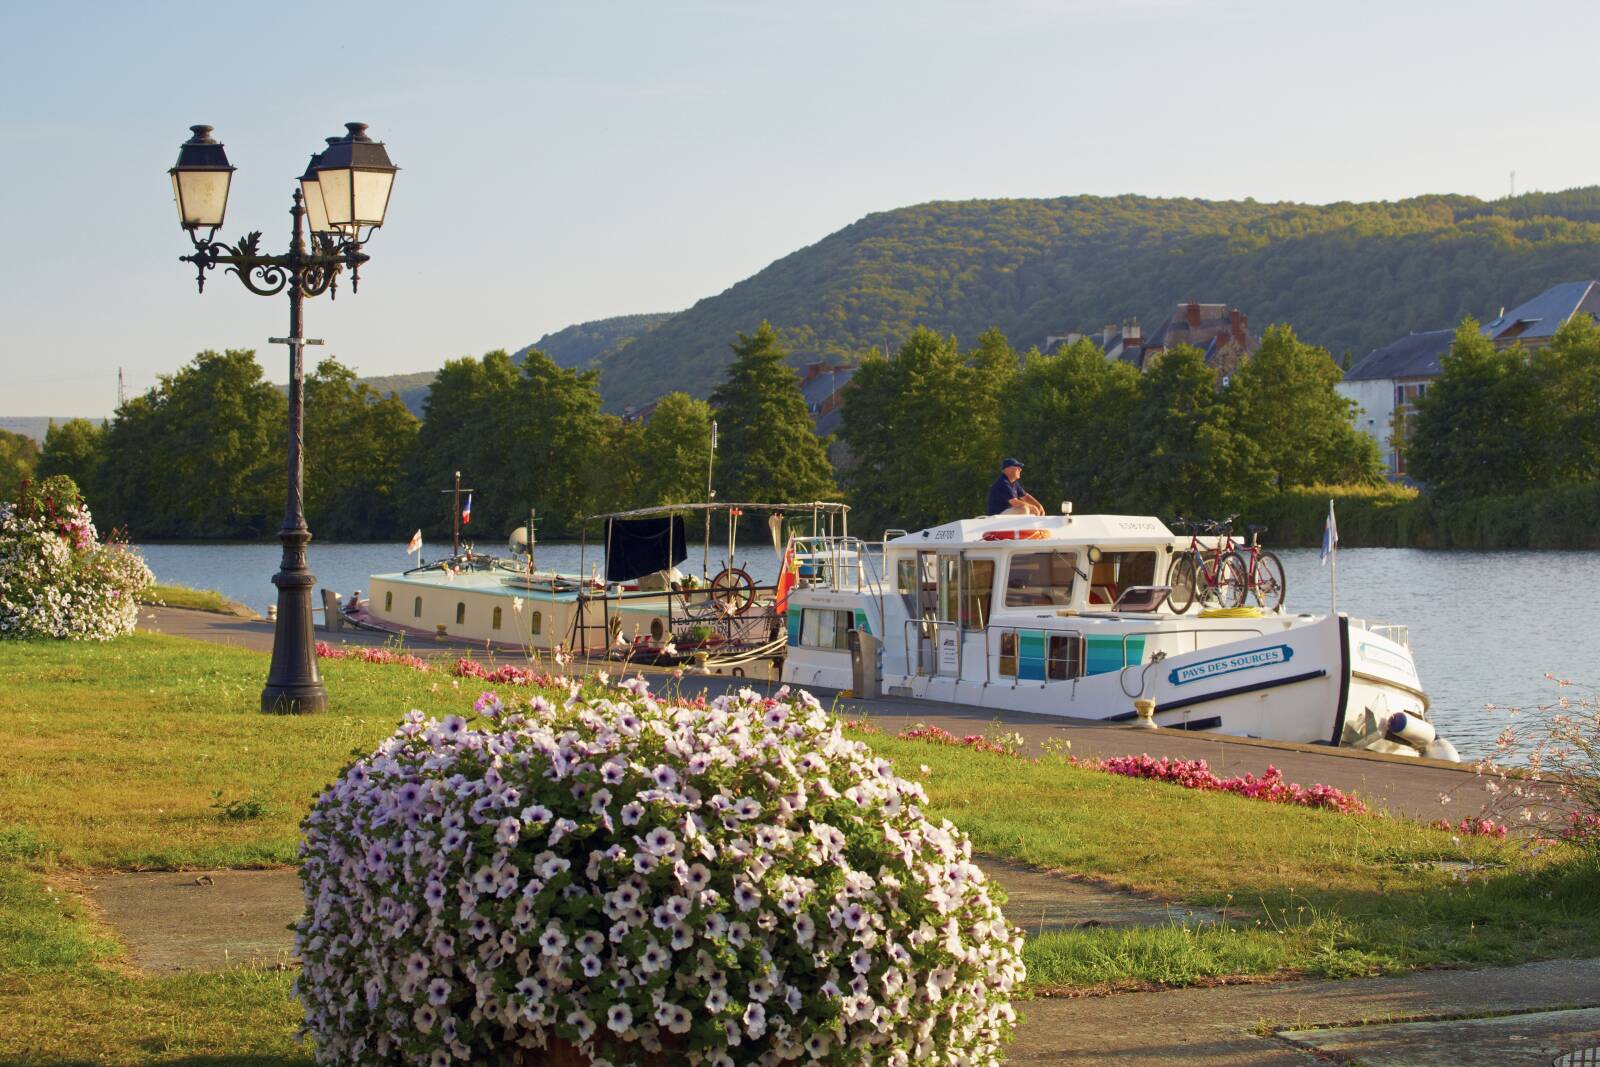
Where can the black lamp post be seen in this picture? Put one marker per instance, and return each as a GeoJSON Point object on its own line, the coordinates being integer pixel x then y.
{"type": "Point", "coordinates": [345, 192]}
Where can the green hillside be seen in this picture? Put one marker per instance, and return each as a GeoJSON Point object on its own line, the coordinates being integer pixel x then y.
{"type": "Point", "coordinates": [1347, 276]}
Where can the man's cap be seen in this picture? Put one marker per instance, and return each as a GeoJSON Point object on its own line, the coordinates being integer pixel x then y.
{"type": "Point", "coordinates": [1010, 462]}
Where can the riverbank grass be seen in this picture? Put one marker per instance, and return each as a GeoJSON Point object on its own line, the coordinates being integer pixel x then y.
{"type": "Point", "coordinates": [149, 752]}
{"type": "Point", "coordinates": [182, 596]}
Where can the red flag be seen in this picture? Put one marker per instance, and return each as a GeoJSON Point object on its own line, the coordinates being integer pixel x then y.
{"type": "Point", "coordinates": [415, 544]}
{"type": "Point", "coordinates": [466, 511]}
{"type": "Point", "coordinates": [788, 578]}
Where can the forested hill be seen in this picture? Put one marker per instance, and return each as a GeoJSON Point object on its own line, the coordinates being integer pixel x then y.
{"type": "Point", "coordinates": [1347, 276]}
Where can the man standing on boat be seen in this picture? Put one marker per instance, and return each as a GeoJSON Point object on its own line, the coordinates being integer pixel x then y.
{"type": "Point", "coordinates": [1006, 495]}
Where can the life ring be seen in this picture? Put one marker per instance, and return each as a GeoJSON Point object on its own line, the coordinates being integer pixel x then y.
{"type": "Point", "coordinates": [1016, 535]}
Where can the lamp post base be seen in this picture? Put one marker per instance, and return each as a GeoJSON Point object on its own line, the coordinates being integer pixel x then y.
{"type": "Point", "coordinates": [294, 685]}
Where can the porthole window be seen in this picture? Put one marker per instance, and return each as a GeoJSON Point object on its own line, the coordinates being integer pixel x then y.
{"type": "Point", "coordinates": [416, 608]}
{"type": "Point", "coordinates": [537, 622]}
{"type": "Point", "coordinates": [388, 600]}
{"type": "Point", "coordinates": [657, 630]}
{"type": "Point", "coordinates": [461, 613]}
{"type": "Point", "coordinates": [496, 622]}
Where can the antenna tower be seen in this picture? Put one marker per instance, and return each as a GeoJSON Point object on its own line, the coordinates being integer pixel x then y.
{"type": "Point", "coordinates": [122, 391]}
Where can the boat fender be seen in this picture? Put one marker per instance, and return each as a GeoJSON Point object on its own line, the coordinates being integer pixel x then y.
{"type": "Point", "coordinates": [1411, 730]}
{"type": "Point", "coordinates": [1016, 535]}
{"type": "Point", "coordinates": [1439, 748]}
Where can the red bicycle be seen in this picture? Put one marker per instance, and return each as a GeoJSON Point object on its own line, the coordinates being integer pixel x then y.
{"type": "Point", "coordinates": [1216, 577]}
{"type": "Point", "coordinates": [1264, 580]}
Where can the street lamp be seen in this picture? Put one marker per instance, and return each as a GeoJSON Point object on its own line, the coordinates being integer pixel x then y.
{"type": "Point", "coordinates": [344, 190]}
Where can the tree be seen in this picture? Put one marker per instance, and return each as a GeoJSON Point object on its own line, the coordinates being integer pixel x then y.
{"type": "Point", "coordinates": [1071, 416]}
{"type": "Point", "coordinates": [768, 450]}
{"type": "Point", "coordinates": [675, 446]}
{"type": "Point", "coordinates": [76, 449]}
{"type": "Point", "coordinates": [1283, 399]}
{"type": "Point", "coordinates": [19, 458]}
{"type": "Point", "coordinates": [199, 455]}
{"type": "Point", "coordinates": [1479, 430]}
{"type": "Point", "coordinates": [924, 429]}
{"type": "Point", "coordinates": [1184, 455]}
{"type": "Point", "coordinates": [467, 426]}
{"type": "Point", "coordinates": [357, 445]}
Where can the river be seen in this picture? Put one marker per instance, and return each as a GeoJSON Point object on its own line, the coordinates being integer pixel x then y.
{"type": "Point", "coordinates": [1467, 654]}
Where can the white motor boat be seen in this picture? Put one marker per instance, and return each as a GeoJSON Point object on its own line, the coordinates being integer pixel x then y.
{"type": "Point", "coordinates": [1068, 615]}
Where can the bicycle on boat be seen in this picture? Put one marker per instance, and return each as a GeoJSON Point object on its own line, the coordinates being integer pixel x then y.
{"type": "Point", "coordinates": [1264, 580]}
{"type": "Point", "coordinates": [1216, 577]}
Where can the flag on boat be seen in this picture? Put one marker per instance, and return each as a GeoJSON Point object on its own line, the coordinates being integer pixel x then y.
{"type": "Point", "coordinates": [415, 544]}
{"type": "Point", "coordinates": [466, 510]}
{"type": "Point", "coordinates": [1330, 536]}
{"type": "Point", "coordinates": [788, 578]}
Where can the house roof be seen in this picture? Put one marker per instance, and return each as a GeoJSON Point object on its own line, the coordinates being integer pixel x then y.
{"type": "Point", "coordinates": [1541, 317]}
{"type": "Point", "coordinates": [1416, 355]}
{"type": "Point", "coordinates": [825, 385]}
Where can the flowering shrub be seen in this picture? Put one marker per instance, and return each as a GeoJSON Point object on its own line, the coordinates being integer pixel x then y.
{"type": "Point", "coordinates": [57, 579]}
{"type": "Point", "coordinates": [1544, 771]}
{"type": "Point", "coordinates": [506, 675]}
{"type": "Point", "coordinates": [1195, 774]}
{"type": "Point", "coordinates": [720, 884]}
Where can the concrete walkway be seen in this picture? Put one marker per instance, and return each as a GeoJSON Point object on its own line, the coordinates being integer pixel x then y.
{"type": "Point", "coordinates": [1404, 786]}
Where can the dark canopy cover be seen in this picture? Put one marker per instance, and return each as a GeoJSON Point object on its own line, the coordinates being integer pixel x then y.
{"type": "Point", "coordinates": [636, 547]}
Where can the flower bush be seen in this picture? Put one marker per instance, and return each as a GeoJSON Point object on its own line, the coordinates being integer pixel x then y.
{"type": "Point", "coordinates": [721, 883]}
{"type": "Point", "coordinates": [57, 579]}
{"type": "Point", "coordinates": [1544, 771]}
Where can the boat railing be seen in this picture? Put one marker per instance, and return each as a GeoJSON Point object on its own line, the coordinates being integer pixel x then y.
{"type": "Point", "coordinates": [1397, 632]}
{"type": "Point", "coordinates": [840, 564]}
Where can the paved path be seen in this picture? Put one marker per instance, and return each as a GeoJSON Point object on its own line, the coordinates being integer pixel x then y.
{"type": "Point", "coordinates": [1405, 786]}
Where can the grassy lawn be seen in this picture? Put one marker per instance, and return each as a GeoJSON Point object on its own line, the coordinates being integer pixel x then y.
{"type": "Point", "coordinates": [181, 596]}
{"type": "Point", "coordinates": [149, 752]}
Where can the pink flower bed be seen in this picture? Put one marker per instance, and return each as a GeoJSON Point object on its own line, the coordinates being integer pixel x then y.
{"type": "Point", "coordinates": [1472, 826]}
{"type": "Point", "coordinates": [1195, 774]}
{"type": "Point", "coordinates": [507, 675]}
{"type": "Point", "coordinates": [1581, 827]}
{"type": "Point", "coordinates": [370, 655]}
{"type": "Point", "coordinates": [940, 736]}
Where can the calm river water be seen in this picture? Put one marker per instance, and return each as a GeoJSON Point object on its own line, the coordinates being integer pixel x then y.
{"type": "Point", "coordinates": [1485, 626]}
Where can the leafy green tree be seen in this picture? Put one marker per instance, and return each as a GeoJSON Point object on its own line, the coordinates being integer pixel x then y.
{"type": "Point", "coordinates": [675, 446]}
{"type": "Point", "coordinates": [767, 449]}
{"type": "Point", "coordinates": [19, 457]}
{"type": "Point", "coordinates": [76, 449]}
{"type": "Point", "coordinates": [357, 446]}
{"type": "Point", "coordinates": [469, 418]}
{"type": "Point", "coordinates": [558, 441]}
{"type": "Point", "coordinates": [1479, 430]}
{"type": "Point", "coordinates": [200, 454]}
{"type": "Point", "coordinates": [1070, 416]}
{"type": "Point", "coordinates": [1187, 457]}
{"type": "Point", "coordinates": [1567, 418]}
{"type": "Point", "coordinates": [1283, 400]}
{"type": "Point", "coordinates": [924, 429]}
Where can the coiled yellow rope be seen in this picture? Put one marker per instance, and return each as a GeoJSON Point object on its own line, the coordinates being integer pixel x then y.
{"type": "Point", "coordinates": [1245, 612]}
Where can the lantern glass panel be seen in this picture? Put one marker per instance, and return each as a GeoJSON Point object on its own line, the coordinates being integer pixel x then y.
{"type": "Point", "coordinates": [202, 196]}
{"type": "Point", "coordinates": [316, 213]}
{"type": "Point", "coordinates": [335, 185]}
{"type": "Point", "coordinates": [372, 196]}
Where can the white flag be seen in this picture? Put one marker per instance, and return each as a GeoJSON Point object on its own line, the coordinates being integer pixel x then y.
{"type": "Point", "coordinates": [1330, 536]}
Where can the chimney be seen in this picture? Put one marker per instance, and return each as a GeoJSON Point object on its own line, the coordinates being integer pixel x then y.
{"type": "Point", "coordinates": [813, 369]}
{"type": "Point", "coordinates": [1192, 313]}
{"type": "Point", "coordinates": [1107, 332]}
{"type": "Point", "coordinates": [1236, 326]}
{"type": "Point", "coordinates": [1130, 331]}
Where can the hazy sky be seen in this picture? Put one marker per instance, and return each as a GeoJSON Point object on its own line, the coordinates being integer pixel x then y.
{"type": "Point", "coordinates": [568, 161]}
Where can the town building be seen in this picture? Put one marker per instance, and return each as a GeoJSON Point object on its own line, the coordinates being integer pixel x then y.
{"type": "Point", "coordinates": [1220, 332]}
{"type": "Point", "coordinates": [1387, 383]}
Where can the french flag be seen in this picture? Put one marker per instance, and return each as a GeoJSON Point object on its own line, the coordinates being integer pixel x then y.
{"type": "Point", "coordinates": [466, 511]}
{"type": "Point", "coordinates": [1330, 536]}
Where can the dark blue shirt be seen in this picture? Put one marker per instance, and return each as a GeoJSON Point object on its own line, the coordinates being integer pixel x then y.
{"type": "Point", "coordinates": [1002, 493]}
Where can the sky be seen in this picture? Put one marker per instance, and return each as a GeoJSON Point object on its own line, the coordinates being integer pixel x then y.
{"type": "Point", "coordinates": [562, 162]}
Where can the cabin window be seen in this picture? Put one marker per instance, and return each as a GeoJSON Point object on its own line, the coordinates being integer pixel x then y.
{"type": "Point", "coordinates": [1117, 571]}
{"type": "Point", "coordinates": [495, 622]}
{"type": "Point", "coordinates": [826, 628]}
{"type": "Point", "coordinates": [1066, 657]}
{"type": "Point", "coordinates": [416, 608]}
{"type": "Point", "coordinates": [1008, 654]}
{"type": "Point", "coordinates": [388, 600]}
{"type": "Point", "coordinates": [537, 622]}
{"type": "Point", "coordinates": [461, 613]}
{"type": "Point", "coordinates": [949, 587]}
{"type": "Point", "coordinates": [977, 593]}
{"type": "Point", "coordinates": [1041, 579]}
{"type": "Point", "coordinates": [906, 570]}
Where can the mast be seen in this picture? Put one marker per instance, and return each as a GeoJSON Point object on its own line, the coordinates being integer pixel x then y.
{"type": "Point", "coordinates": [455, 519]}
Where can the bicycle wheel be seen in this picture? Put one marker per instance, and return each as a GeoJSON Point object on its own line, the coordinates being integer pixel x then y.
{"type": "Point", "coordinates": [1181, 576]}
{"type": "Point", "coordinates": [1233, 584]}
{"type": "Point", "coordinates": [1267, 583]}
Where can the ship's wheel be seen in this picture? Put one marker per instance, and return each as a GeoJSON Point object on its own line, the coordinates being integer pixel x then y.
{"type": "Point", "coordinates": [732, 591]}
